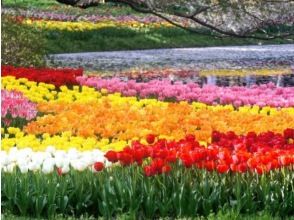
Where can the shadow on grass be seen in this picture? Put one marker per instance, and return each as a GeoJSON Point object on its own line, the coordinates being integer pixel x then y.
{"type": "Point", "coordinates": [111, 38]}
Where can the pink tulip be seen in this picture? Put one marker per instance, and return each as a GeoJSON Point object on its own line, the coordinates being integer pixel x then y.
{"type": "Point", "coordinates": [262, 95]}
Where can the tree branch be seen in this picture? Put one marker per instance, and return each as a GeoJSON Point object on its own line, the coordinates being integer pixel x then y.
{"type": "Point", "coordinates": [209, 13]}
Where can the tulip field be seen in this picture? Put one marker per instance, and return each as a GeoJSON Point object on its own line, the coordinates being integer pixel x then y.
{"type": "Point", "coordinates": [77, 144]}
{"type": "Point", "coordinates": [176, 131]}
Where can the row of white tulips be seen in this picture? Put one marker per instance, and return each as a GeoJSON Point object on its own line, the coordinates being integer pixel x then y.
{"type": "Point", "coordinates": [47, 161]}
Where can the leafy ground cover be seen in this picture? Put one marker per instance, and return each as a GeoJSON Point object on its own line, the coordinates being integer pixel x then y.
{"type": "Point", "coordinates": [124, 190]}
{"type": "Point", "coordinates": [229, 215]}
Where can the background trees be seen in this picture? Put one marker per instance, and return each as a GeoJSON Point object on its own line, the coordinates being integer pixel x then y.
{"type": "Point", "coordinates": [261, 19]}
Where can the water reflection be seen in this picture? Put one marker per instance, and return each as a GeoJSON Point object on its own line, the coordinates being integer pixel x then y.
{"type": "Point", "coordinates": [283, 80]}
{"type": "Point", "coordinates": [248, 80]}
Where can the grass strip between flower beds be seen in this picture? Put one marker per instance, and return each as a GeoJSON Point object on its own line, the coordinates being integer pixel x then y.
{"type": "Point", "coordinates": [120, 190]}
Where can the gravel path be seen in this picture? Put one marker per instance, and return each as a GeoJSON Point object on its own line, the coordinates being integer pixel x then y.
{"type": "Point", "coordinates": [233, 57]}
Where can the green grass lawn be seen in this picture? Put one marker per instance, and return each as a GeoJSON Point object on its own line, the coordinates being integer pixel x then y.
{"type": "Point", "coordinates": [109, 39]}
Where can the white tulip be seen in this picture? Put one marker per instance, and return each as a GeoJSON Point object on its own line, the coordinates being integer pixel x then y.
{"type": "Point", "coordinates": [98, 153]}
{"type": "Point", "coordinates": [10, 167]}
{"type": "Point", "coordinates": [13, 150]}
{"type": "Point", "coordinates": [73, 154]}
{"type": "Point", "coordinates": [40, 156]}
{"type": "Point", "coordinates": [4, 159]}
{"type": "Point", "coordinates": [78, 165]}
{"type": "Point", "coordinates": [21, 162]}
{"type": "Point", "coordinates": [59, 161]}
{"type": "Point", "coordinates": [26, 159]}
{"type": "Point", "coordinates": [100, 158]}
{"type": "Point", "coordinates": [37, 160]}
{"type": "Point", "coordinates": [47, 169]}
{"type": "Point", "coordinates": [73, 163]}
{"type": "Point", "coordinates": [48, 166]}
{"type": "Point", "coordinates": [65, 169]}
{"type": "Point", "coordinates": [28, 151]}
{"type": "Point", "coordinates": [65, 162]}
{"type": "Point", "coordinates": [107, 163]}
{"type": "Point", "coordinates": [60, 154]}
{"type": "Point", "coordinates": [92, 169]}
{"type": "Point", "coordinates": [31, 166]}
{"type": "Point", "coordinates": [23, 169]}
{"type": "Point", "coordinates": [86, 160]}
{"type": "Point", "coordinates": [34, 166]}
{"type": "Point", "coordinates": [12, 155]}
{"type": "Point", "coordinates": [46, 155]}
{"type": "Point", "coordinates": [3, 153]}
{"type": "Point", "coordinates": [81, 166]}
{"type": "Point", "coordinates": [50, 149]}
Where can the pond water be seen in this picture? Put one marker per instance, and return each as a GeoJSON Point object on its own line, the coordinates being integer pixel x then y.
{"type": "Point", "coordinates": [284, 80]}
{"type": "Point", "coordinates": [191, 59]}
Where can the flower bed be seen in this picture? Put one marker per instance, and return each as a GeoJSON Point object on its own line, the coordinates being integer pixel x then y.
{"type": "Point", "coordinates": [58, 16]}
{"type": "Point", "coordinates": [227, 153]}
{"type": "Point", "coordinates": [88, 25]}
{"type": "Point", "coordinates": [138, 74]}
{"type": "Point", "coordinates": [14, 104]}
{"type": "Point", "coordinates": [93, 151]}
{"type": "Point", "coordinates": [265, 95]}
{"type": "Point", "coordinates": [56, 77]}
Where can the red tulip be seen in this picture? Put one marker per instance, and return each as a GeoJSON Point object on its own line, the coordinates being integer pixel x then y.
{"type": "Point", "coordinates": [264, 152]}
{"type": "Point", "coordinates": [234, 167]}
{"type": "Point", "coordinates": [252, 163]}
{"type": "Point", "coordinates": [148, 170]}
{"type": "Point", "coordinates": [171, 156]}
{"type": "Point", "coordinates": [187, 160]}
{"type": "Point", "coordinates": [285, 160]}
{"type": "Point", "coordinates": [138, 154]}
{"type": "Point", "coordinates": [210, 165]}
{"type": "Point", "coordinates": [215, 137]}
{"type": "Point", "coordinates": [190, 137]}
{"type": "Point", "coordinates": [242, 168]}
{"type": "Point", "coordinates": [150, 138]}
{"type": "Point", "coordinates": [231, 135]}
{"type": "Point", "coordinates": [166, 168]}
{"type": "Point", "coordinates": [126, 159]}
{"type": "Point", "coordinates": [274, 164]}
{"type": "Point", "coordinates": [57, 77]}
{"type": "Point", "coordinates": [59, 171]}
{"type": "Point", "coordinates": [222, 168]}
{"type": "Point", "coordinates": [98, 166]}
{"type": "Point", "coordinates": [260, 169]}
{"type": "Point", "coordinates": [289, 133]}
{"type": "Point", "coordinates": [111, 156]}
{"type": "Point", "coordinates": [251, 135]}
{"type": "Point", "coordinates": [157, 165]}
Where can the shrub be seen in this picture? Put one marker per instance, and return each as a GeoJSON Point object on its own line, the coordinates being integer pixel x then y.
{"type": "Point", "coordinates": [21, 46]}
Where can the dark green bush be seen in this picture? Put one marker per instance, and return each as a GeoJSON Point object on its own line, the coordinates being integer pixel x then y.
{"type": "Point", "coordinates": [21, 46]}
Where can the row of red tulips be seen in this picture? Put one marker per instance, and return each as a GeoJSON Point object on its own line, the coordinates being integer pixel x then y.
{"type": "Point", "coordinates": [57, 77]}
{"type": "Point", "coordinates": [227, 152]}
